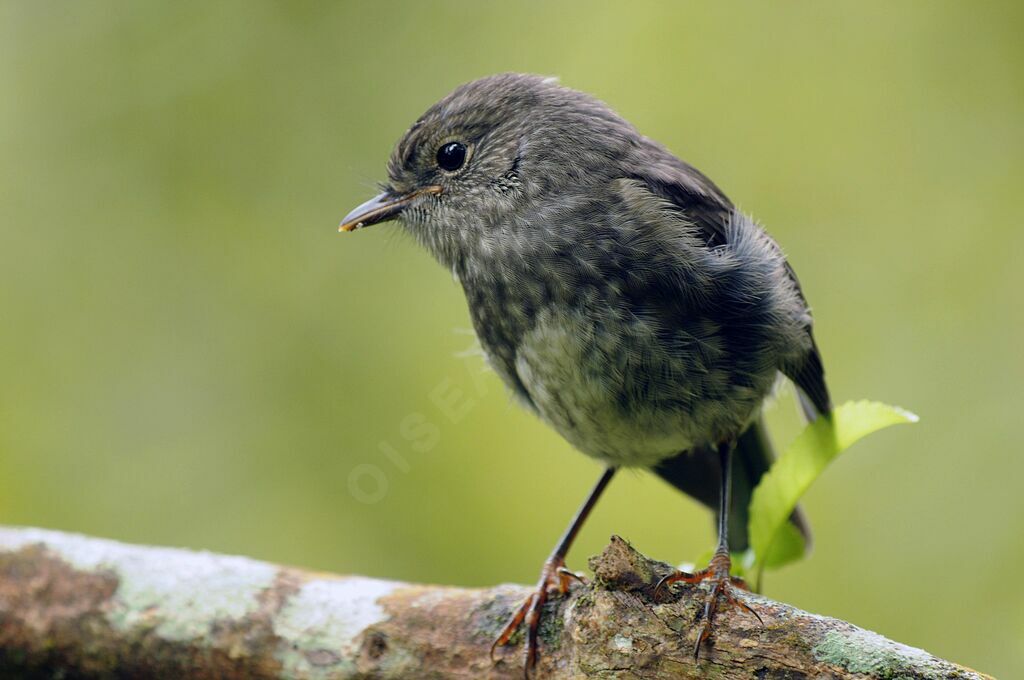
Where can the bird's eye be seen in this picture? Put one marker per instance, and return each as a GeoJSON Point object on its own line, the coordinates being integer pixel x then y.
{"type": "Point", "coordinates": [451, 156]}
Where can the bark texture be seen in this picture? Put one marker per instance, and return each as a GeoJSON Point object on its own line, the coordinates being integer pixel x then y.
{"type": "Point", "coordinates": [79, 607]}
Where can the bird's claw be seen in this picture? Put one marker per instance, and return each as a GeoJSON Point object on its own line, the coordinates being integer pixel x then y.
{"type": "Point", "coordinates": [564, 575]}
{"type": "Point", "coordinates": [723, 586]}
{"type": "Point", "coordinates": [554, 577]}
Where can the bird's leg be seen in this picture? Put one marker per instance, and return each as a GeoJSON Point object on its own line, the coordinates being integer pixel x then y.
{"type": "Point", "coordinates": [554, 575]}
{"type": "Point", "coordinates": [722, 584]}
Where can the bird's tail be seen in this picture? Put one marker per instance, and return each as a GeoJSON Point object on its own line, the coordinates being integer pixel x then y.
{"type": "Point", "coordinates": [697, 474]}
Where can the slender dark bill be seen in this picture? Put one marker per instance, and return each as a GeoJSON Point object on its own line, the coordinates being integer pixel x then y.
{"type": "Point", "coordinates": [381, 208]}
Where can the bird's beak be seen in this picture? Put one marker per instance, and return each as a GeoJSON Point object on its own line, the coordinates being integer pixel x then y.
{"type": "Point", "coordinates": [383, 207]}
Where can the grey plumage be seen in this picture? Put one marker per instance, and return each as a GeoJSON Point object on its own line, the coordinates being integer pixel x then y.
{"type": "Point", "coordinates": [614, 288]}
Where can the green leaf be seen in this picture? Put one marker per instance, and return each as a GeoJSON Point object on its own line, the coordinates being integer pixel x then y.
{"type": "Point", "coordinates": [774, 541]}
{"type": "Point", "coordinates": [787, 546]}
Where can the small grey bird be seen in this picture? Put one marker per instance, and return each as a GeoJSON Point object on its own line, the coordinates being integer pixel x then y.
{"type": "Point", "coordinates": [615, 290]}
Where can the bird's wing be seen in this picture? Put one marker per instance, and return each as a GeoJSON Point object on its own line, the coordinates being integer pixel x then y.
{"type": "Point", "coordinates": [702, 204]}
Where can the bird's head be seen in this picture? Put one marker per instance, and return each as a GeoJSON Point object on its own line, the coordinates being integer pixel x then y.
{"type": "Point", "coordinates": [494, 150]}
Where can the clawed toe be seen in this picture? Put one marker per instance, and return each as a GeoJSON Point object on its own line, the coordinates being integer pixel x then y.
{"type": "Point", "coordinates": [554, 577]}
{"type": "Point", "coordinates": [724, 587]}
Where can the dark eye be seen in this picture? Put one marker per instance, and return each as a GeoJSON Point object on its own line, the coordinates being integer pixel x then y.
{"type": "Point", "coordinates": [451, 156]}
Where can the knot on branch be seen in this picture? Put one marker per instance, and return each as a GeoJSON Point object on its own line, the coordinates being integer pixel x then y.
{"type": "Point", "coordinates": [621, 567]}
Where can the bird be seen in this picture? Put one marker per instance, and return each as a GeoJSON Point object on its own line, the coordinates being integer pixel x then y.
{"type": "Point", "coordinates": [618, 294]}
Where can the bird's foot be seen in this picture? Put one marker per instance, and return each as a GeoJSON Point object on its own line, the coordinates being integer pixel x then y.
{"type": "Point", "coordinates": [723, 586]}
{"type": "Point", "coordinates": [553, 577]}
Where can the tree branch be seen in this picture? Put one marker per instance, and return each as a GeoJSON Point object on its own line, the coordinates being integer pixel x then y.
{"type": "Point", "coordinates": [72, 606]}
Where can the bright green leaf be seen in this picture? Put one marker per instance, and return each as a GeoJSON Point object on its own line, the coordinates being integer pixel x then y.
{"type": "Point", "coordinates": [792, 474]}
{"type": "Point", "coordinates": [787, 546]}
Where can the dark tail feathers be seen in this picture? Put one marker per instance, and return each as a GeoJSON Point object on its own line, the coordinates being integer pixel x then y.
{"type": "Point", "coordinates": [696, 473]}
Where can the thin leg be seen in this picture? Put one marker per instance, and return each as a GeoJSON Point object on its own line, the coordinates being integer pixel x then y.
{"type": "Point", "coordinates": [562, 549]}
{"type": "Point", "coordinates": [553, 575]}
{"type": "Point", "coordinates": [724, 493]}
{"type": "Point", "coordinates": [721, 563]}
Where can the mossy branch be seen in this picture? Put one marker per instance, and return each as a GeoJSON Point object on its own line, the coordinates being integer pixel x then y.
{"type": "Point", "coordinates": [73, 606]}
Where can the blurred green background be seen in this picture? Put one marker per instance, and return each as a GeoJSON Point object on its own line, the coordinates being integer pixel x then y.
{"type": "Point", "coordinates": [192, 356]}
